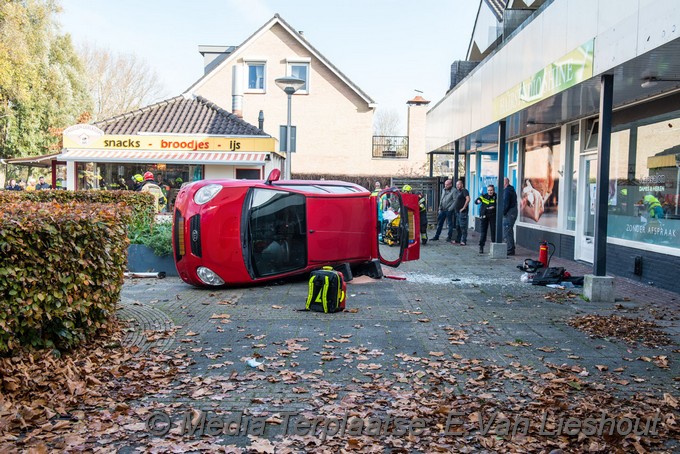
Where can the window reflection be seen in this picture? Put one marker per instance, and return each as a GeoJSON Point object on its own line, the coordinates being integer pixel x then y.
{"type": "Point", "coordinates": [277, 229]}
{"type": "Point", "coordinates": [643, 186]}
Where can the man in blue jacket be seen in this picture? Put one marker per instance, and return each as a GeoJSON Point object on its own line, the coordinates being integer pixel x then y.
{"type": "Point", "coordinates": [509, 215]}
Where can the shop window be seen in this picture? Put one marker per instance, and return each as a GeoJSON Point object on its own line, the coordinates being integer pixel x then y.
{"type": "Point", "coordinates": [89, 177]}
{"type": "Point", "coordinates": [513, 152]}
{"type": "Point", "coordinates": [593, 133]}
{"type": "Point", "coordinates": [571, 174]}
{"type": "Point", "coordinates": [643, 187]}
{"type": "Point", "coordinates": [248, 174]}
{"type": "Point", "coordinates": [539, 189]}
{"type": "Point", "coordinates": [256, 76]}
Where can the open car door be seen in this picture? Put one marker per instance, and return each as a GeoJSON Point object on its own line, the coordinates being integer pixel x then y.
{"type": "Point", "coordinates": [398, 227]}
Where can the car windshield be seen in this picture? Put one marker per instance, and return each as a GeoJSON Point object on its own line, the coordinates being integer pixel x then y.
{"type": "Point", "coordinates": [277, 232]}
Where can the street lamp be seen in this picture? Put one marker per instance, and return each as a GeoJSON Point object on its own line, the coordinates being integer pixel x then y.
{"type": "Point", "coordinates": [289, 85]}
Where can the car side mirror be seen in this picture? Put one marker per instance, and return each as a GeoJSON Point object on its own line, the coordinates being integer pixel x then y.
{"type": "Point", "coordinates": [274, 175]}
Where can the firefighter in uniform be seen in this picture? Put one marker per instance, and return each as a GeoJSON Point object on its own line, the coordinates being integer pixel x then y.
{"type": "Point", "coordinates": [422, 204]}
{"type": "Point", "coordinates": [487, 214]}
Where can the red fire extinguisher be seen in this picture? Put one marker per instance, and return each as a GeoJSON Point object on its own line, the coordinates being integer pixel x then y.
{"type": "Point", "coordinates": [543, 253]}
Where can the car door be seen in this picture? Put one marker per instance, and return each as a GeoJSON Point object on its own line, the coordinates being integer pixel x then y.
{"type": "Point", "coordinates": [339, 228]}
{"type": "Point", "coordinates": [398, 232]}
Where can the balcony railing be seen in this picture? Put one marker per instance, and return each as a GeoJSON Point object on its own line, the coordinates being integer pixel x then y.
{"type": "Point", "coordinates": [390, 147]}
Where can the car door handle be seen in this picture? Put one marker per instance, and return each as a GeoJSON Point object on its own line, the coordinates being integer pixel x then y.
{"type": "Point", "coordinates": [312, 231]}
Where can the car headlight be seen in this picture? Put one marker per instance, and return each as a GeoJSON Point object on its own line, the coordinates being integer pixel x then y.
{"type": "Point", "coordinates": [206, 193]}
{"type": "Point", "coordinates": [208, 276]}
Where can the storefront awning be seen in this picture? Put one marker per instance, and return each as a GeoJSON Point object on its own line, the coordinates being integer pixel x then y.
{"type": "Point", "coordinates": [166, 157]}
{"type": "Point", "coordinates": [33, 161]}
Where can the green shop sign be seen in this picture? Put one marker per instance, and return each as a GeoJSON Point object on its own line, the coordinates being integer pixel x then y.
{"type": "Point", "coordinates": [572, 69]}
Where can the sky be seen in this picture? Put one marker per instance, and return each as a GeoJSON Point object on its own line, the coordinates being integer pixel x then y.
{"type": "Point", "coordinates": [391, 49]}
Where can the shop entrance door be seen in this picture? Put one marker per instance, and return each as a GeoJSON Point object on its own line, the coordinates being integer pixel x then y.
{"type": "Point", "coordinates": [588, 190]}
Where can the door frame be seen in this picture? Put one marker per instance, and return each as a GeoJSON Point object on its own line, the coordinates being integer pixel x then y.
{"type": "Point", "coordinates": [584, 245]}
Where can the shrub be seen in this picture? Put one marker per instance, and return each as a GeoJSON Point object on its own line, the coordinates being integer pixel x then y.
{"type": "Point", "coordinates": [157, 236]}
{"type": "Point", "coordinates": [61, 270]}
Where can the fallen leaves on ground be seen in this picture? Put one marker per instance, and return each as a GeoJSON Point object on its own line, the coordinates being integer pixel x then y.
{"type": "Point", "coordinates": [631, 330]}
{"type": "Point", "coordinates": [560, 297]}
{"type": "Point", "coordinates": [66, 401]}
{"type": "Point", "coordinates": [99, 399]}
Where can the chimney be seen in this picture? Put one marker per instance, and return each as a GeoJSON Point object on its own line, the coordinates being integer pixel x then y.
{"type": "Point", "coordinates": [417, 112]}
{"type": "Point", "coordinates": [237, 91]}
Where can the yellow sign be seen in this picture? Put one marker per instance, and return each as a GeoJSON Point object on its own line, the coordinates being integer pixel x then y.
{"type": "Point", "coordinates": [572, 69]}
{"type": "Point", "coordinates": [174, 143]}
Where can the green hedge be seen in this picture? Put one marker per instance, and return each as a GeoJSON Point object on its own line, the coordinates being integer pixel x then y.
{"type": "Point", "coordinates": [141, 203]}
{"type": "Point", "coordinates": [62, 258]}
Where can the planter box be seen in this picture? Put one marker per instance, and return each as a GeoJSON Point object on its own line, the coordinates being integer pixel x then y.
{"type": "Point", "coordinates": [141, 259]}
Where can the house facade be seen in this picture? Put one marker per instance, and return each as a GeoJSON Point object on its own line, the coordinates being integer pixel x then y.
{"type": "Point", "coordinates": [581, 98]}
{"type": "Point", "coordinates": [332, 118]}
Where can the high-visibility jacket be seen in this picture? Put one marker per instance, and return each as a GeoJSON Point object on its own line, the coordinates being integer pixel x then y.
{"type": "Point", "coordinates": [488, 205]}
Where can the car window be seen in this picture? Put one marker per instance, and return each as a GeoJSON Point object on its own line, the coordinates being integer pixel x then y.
{"type": "Point", "coordinates": [305, 187]}
{"type": "Point", "coordinates": [340, 189]}
{"type": "Point", "coordinates": [321, 188]}
{"type": "Point", "coordinates": [277, 232]}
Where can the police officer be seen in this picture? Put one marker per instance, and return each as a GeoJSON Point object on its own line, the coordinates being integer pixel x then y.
{"type": "Point", "coordinates": [487, 214]}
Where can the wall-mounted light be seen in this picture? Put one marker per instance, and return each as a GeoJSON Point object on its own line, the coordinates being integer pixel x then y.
{"type": "Point", "coordinates": [268, 157]}
{"type": "Point", "coordinates": [648, 82]}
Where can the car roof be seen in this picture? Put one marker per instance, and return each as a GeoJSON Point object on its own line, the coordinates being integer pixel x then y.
{"type": "Point", "coordinates": [305, 186]}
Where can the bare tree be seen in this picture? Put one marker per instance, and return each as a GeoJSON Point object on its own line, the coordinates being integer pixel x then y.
{"type": "Point", "coordinates": [386, 123]}
{"type": "Point", "coordinates": [119, 83]}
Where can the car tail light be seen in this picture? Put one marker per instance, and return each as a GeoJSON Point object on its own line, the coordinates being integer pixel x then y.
{"type": "Point", "coordinates": [195, 232]}
{"type": "Point", "coordinates": [178, 235]}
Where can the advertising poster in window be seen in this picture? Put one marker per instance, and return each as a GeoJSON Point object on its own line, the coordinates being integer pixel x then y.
{"type": "Point", "coordinates": [644, 206]}
{"type": "Point", "coordinates": [538, 190]}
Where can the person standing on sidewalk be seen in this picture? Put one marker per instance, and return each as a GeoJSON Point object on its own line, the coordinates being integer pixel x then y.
{"type": "Point", "coordinates": [445, 211]}
{"type": "Point", "coordinates": [487, 215]}
{"type": "Point", "coordinates": [509, 215]}
{"type": "Point", "coordinates": [460, 208]}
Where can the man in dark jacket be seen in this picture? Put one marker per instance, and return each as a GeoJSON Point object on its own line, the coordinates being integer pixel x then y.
{"type": "Point", "coordinates": [487, 215]}
{"type": "Point", "coordinates": [42, 185]}
{"type": "Point", "coordinates": [460, 209]}
{"type": "Point", "coordinates": [509, 215]}
{"type": "Point", "coordinates": [446, 211]}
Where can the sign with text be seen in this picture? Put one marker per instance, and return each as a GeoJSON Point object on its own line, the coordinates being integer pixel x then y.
{"type": "Point", "coordinates": [571, 69]}
{"type": "Point", "coordinates": [87, 137]}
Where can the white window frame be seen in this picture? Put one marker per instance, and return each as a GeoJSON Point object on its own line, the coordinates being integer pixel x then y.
{"type": "Point", "coordinates": [290, 62]}
{"type": "Point", "coordinates": [251, 63]}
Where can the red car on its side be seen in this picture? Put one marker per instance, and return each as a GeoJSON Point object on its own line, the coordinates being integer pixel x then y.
{"type": "Point", "coordinates": [236, 232]}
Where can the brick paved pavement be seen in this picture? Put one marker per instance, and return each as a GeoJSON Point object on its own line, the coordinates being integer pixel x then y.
{"type": "Point", "coordinates": [453, 301]}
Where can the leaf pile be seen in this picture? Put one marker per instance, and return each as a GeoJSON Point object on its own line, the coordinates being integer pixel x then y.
{"type": "Point", "coordinates": [101, 399]}
{"type": "Point", "coordinates": [429, 389]}
{"type": "Point", "coordinates": [631, 330]}
{"type": "Point", "coordinates": [60, 401]}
